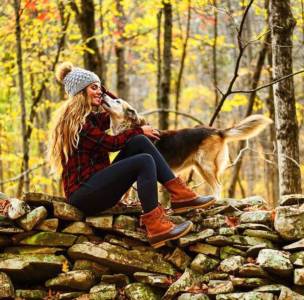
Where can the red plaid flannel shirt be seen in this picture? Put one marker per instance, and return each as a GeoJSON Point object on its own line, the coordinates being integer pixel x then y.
{"type": "Point", "coordinates": [93, 150]}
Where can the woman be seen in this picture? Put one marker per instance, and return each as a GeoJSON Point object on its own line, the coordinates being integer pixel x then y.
{"type": "Point", "coordinates": [79, 148]}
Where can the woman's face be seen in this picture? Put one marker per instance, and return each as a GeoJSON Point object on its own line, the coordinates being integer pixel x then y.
{"type": "Point", "coordinates": [94, 93]}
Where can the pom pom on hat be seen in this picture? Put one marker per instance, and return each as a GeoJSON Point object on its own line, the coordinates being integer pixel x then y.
{"type": "Point", "coordinates": [62, 70]}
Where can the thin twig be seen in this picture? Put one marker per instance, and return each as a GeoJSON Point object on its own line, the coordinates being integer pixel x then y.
{"type": "Point", "coordinates": [268, 84]}
{"type": "Point", "coordinates": [242, 48]}
{"type": "Point", "coordinates": [22, 174]}
{"type": "Point", "coordinates": [149, 112]}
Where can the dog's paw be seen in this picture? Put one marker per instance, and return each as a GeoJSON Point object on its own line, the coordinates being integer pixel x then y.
{"type": "Point", "coordinates": [17, 208]}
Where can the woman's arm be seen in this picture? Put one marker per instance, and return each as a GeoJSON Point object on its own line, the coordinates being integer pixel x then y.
{"type": "Point", "coordinates": [92, 136]}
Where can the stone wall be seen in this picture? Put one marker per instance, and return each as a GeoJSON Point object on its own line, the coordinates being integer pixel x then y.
{"type": "Point", "coordinates": [237, 250]}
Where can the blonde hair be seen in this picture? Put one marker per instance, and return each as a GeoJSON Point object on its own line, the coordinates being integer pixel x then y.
{"type": "Point", "coordinates": [65, 127]}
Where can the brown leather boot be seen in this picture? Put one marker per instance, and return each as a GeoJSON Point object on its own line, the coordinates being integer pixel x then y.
{"type": "Point", "coordinates": [183, 198]}
{"type": "Point", "coordinates": [160, 229]}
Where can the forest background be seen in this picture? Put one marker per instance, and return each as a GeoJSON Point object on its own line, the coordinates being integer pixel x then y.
{"type": "Point", "coordinates": [174, 61]}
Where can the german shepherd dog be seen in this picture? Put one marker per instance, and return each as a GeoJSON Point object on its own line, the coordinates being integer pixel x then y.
{"type": "Point", "coordinates": [203, 148]}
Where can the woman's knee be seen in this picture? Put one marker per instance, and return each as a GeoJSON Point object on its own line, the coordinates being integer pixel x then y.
{"type": "Point", "coordinates": [140, 139]}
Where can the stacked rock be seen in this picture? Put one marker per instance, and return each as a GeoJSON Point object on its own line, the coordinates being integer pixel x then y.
{"type": "Point", "coordinates": [237, 250]}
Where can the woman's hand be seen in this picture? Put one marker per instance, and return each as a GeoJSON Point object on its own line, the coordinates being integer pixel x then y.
{"type": "Point", "coordinates": [149, 131]}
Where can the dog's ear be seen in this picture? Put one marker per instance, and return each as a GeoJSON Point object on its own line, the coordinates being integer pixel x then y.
{"type": "Point", "coordinates": [131, 114]}
{"type": "Point", "coordinates": [142, 121]}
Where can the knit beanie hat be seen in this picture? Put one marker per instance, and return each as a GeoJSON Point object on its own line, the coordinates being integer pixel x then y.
{"type": "Point", "coordinates": [74, 79]}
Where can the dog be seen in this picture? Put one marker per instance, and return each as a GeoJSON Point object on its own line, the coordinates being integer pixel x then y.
{"type": "Point", "coordinates": [203, 148]}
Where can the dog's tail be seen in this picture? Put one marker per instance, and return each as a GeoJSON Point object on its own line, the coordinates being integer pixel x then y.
{"type": "Point", "coordinates": [247, 128]}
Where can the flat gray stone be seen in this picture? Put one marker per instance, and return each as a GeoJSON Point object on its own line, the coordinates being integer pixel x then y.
{"type": "Point", "coordinates": [50, 239]}
{"type": "Point", "coordinates": [37, 199]}
{"type": "Point", "coordinates": [32, 250]}
{"type": "Point", "coordinates": [232, 264]}
{"type": "Point", "coordinates": [203, 264]}
{"type": "Point", "coordinates": [298, 277]}
{"type": "Point", "coordinates": [84, 264]}
{"type": "Point", "coordinates": [289, 222]}
{"type": "Point", "coordinates": [31, 267]}
{"type": "Point", "coordinates": [219, 286]}
{"type": "Point", "coordinates": [70, 295]}
{"type": "Point", "coordinates": [268, 235]}
{"type": "Point", "coordinates": [31, 294]}
{"type": "Point", "coordinates": [252, 270]}
{"type": "Point", "coordinates": [275, 261]}
{"type": "Point", "coordinates": [299, 245]}
{"type": "Point", "coordinates": [246, 296]}
{"type": "Point", "coordinates": [30, 220]}
{"type": "Point", "coordinates": [48, 225]}
{"type": "Point", "coordinates": [141, 291]}
{"type": "Point", "coordinates": [287, 294]}
{"type": "Point", "coordinates": [125, 222]}
{"type": "Point", "coordinates": [154, 279]}
{"type": "Point", "coordinates": [78, 228]}
{"type": "Point", "coordinates": [121, 259]}
{"type": "Point", "coordinates": [214, 222]}
{"type": "Point", "coordinates": [292, 199]}
{"type": "Point", "coordinates": [228, 251]}
{"type": "Point", "coordinates": [79, 280]}
{"type": "Point", "coordinates": [242, 203]}
{"type": "Point", "coordinates": [205, 249]}
{"type": "Point", "coordinates": [257, 216]}
{"type": "Point", "coordinates": [7, 288]}
{"type": "Point", "coordinates": [65, 211]}
{"type": "Point", "coordinates": [195, 237]}
{"type": "Point", "coordinates": [297, 259]}
{"type": "Point", "coordinates": [248, 283]}
{"type": "Point", "coordinates": [105, 288]}
{"type": "Point", "coordinates": [179, 258]}
{"type": "Point", "coordinates": [120, 280]}
{"type": "Point", "coordinates": [188, 296]}
{"type": "Point", "coordinates": [101, 222]}
{"type": "Point", "coordinates": [189, 278]}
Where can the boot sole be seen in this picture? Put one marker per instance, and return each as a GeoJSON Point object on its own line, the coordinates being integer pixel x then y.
{"type": "Point", "coordinates": [162, 243]}
{"type": "Point", "coordinates": [184, 209]}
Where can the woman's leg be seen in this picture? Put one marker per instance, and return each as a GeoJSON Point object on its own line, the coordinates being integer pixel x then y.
{"type": "Point", "coordinates": [141, 144]}
{"type": "Point", "coordinates": [105, 188]}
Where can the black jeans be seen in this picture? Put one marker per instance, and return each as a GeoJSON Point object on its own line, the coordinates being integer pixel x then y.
{"type": "Point", "coordinates": [138, 161]}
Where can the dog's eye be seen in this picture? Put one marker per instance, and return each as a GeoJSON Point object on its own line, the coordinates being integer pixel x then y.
{"type": "Point", "coordinates": [117, 101]}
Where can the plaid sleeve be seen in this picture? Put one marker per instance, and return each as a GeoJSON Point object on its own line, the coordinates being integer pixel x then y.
{"type": "Point", "coordinates": [92, 137]}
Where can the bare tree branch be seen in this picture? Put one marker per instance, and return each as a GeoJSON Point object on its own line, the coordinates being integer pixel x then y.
{"type": "Point", "coordinates": [242, 48]}
{"type": "Point", "coordinates": [21, 175]}
{"type": "Point", "coordinates": [149, 112]}
{"type": "Point", "coordinates": [267, 85]}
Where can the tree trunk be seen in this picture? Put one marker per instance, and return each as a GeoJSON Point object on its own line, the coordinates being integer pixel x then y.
{"type": "Point", "coordinates": [166, 74]}
{"type": "Point", "coordinates": [271, 170]}
{"type": "Point", "coordinates": [214, 57]}
{"type": "Point", "coordinates": [86, 21]}
{"type": "Point", "coordinates": [122, 83]}
{"type": "Point", "coordinates": [282, 25]}
{"type": "Point", "coordinates": [25, 142]}
{"type": "Point", "coordinates": [159, 59]}
{"type": "Point", "coordinates": [182, 64]}
{"type": "Point", "coordinates": [1, 162]}
{"type": "Point", "coordinates": [102, 54]}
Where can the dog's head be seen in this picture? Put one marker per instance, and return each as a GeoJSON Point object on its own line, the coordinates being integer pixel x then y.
{"type": "Point", "coordinates": [123, 115]}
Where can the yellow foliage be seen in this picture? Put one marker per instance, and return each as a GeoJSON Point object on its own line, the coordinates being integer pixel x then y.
{"type": "Point", "coordinates": [235, 101]}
